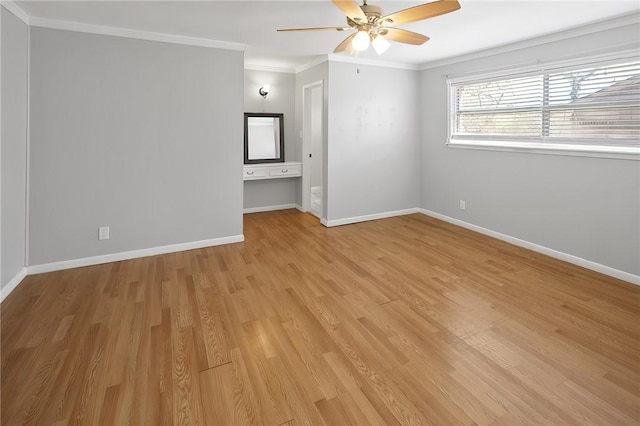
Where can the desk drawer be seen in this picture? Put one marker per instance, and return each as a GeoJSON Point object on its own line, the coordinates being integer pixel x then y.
{"type": "Point", "coordinates": [285, 171]}
{"type": "Point", "coordinates": [255, 173]}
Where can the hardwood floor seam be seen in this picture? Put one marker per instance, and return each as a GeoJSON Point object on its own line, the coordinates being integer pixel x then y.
{"type": "Point", "coordinates": [215, 366]}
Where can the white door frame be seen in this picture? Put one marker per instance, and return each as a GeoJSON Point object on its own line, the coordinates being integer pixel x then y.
{"type": "Point", "coordinates": [306, 143]}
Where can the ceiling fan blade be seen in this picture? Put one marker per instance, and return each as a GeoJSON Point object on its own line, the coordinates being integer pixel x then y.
{"type": "Point", "coordinates": [346, 43]}
{"type": "Point", "coordinates": [404, 36]}
{"type": "Point", "coordinates": [351, 9]}
{"type": "Point", "coordinates": [424, 11]}
{"type": "Point", "coordinates": [316, 29]}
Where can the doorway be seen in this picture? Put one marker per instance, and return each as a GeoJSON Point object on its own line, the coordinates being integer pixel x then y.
{"type": "Point", "coordinates": [312, 142]}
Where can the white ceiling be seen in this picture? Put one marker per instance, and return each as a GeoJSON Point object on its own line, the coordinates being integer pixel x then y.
{"type": "Point", "coordinates": [478, 25]}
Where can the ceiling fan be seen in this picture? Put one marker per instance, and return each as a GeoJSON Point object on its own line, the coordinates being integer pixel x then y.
{"type": "Point", "coordinates": [372, 27]}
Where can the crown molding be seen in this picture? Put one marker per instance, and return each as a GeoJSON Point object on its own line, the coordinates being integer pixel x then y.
{"type": "Point", "coordinates": [137, 34]}
{"type": "Point", "coordinates": [312, 64]}
{"type": "Point", "coordinates": [16, 10]}
{"type": "Point", "coordinates": [340, 58]}
{"type": "Point", "coordinates": [373, 62]}
{"type": "Point", "coordinates": [596, 27]}
{"type": "Point", "coordinates": [268, 68]}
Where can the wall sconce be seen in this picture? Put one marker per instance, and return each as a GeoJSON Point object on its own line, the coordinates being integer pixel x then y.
{"type": "Point", "coordinates": [264, 90]}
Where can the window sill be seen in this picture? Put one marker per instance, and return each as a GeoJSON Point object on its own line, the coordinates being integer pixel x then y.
{"type": "Point", "coordinates": [546, 148]}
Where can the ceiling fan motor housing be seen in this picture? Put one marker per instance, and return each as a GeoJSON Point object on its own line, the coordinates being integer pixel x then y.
{"type": "Point", "coordinates": [373, 12]}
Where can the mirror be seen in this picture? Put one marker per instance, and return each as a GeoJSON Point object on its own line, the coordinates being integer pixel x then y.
{"type": "Point", "coordinates": [263, 138]}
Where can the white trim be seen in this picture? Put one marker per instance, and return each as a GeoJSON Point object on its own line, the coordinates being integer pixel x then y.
{"type": "Point", "coordinates": [299, 207]}
{"type": "Point", "coordinates": [133, 254]}
{"type": "Point", "coordinates": [603, 269]}
{"type": "Point", "coordinates": [269, 208]}
{"type": "Point", "coordinates": [13, 283]}
{"type": "Point", "coordinates": [16, 10]}
{"type": "Point", "coordinates": [269, 68]}
{"type": "Point", "coordinates": [376, 216]}
{"type": "Point", "coordinates": [137, 34]}
{"type": "Point", "coordinates": [629, 19]}
{"type": "Point", "coordinates": [324, 221]}
{"type": "Point", "coordinates": [312, 64]}
{"type": "Point", "coordinates": [596, 151]}
{"type": "Point", "coordinates": [334, 57]}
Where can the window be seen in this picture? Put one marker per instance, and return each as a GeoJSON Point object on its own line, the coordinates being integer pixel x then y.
{"type": "Point", "coordinates": [592, 106]}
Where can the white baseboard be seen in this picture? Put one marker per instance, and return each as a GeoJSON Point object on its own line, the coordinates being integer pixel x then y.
{"type": "Point", "coordinates": [126, 255]}
{"type": "Point", "coordinates": [616, 273]}
{"type": "Point", "coordinates": [270, 208]}
{"type": "Point", "coordinates": [13, 283]}
{"type": "Point", "coordinates": [299, 207]}
{"type": "Point", "coordinates": [357, 219]}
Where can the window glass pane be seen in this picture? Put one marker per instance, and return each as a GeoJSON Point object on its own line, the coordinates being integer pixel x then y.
{"type": "Point", "coordinates": [602, 123]}
{"type": "Point", "coordinates": [615, 83]}
{"type": "Point", "coordinates": [588, 105]}
{"type": "Point", "coordinates": [501, 94]}
{"type": "Point", "coordinates": [501, 123]}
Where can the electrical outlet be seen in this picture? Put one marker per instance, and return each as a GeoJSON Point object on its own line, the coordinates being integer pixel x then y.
{"type": "Point", "coordinates": [103, 233]}
{"type": "Point", "coordinates": [463, 205]}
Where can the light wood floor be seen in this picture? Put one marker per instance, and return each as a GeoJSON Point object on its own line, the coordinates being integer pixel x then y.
{"type": "Point", "coordinates": [406, 320]}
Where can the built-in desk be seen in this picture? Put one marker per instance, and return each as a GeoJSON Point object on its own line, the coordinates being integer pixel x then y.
{"type": "Point", "coordinates": [272, 170]}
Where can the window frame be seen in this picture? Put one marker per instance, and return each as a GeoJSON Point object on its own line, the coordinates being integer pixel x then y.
{"type": "Point", "coordinates": [529, 145]}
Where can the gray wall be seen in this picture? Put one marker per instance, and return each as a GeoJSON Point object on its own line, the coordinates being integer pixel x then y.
{"type": "Point", "coordinates": [270, 192]}
{"type": "Point", "coordinates": [586, 207]}
{"type": "Point", "coordinates": [141, 136]}
{"type": "Point", "coordinates": [281, 99]}
{"type": "Point", "coordinates": [14, 145]}
{"type": "Point", "coordinates": [374, 140]}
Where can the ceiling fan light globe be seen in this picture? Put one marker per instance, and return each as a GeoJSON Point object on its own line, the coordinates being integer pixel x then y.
{"type": "Point", "coordinates": [380, 44]}
{"type": "Point", "coordinates": [361, 41]}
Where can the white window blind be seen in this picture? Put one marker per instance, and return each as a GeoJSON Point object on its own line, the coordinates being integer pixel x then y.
{"type": "Point", "coordinates": [594, 105]}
